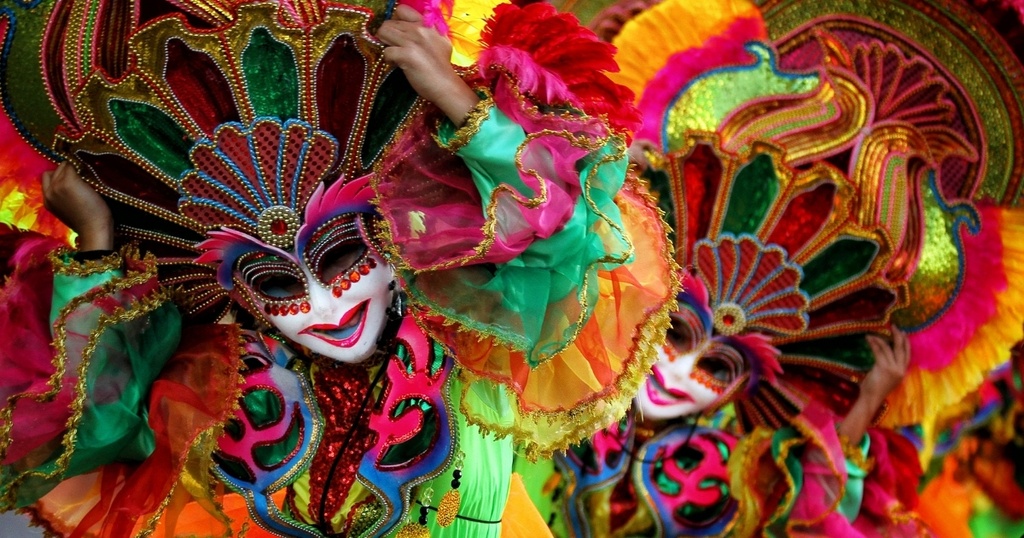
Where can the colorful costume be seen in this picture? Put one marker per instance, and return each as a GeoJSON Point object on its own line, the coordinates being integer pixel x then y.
{"type": "Point", "coordinates": [978, 450]}
{"type": "Point", "coordinates": [409, 289]}
{"type": "Point", "coordinates": [829, 171]}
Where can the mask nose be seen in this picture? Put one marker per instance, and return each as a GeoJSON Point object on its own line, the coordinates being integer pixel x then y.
{"type": "Point", "coordinates": [683, 367]}
{"type": "Point", "coordinates": [320, 301]}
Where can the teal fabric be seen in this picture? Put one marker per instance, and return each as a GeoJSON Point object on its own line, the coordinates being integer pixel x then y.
{"type": "Point", "coordinates": [542, 288]}
{"type": "Point", "coordinates": [127, 358]}
{"type": "Point", "coordinates": [849, 505]}
{"type": "Point", "coordinates": [67, 287]}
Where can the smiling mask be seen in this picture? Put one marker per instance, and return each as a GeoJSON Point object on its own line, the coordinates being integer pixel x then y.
{"type": "Point", "coordinates": [316, 279]}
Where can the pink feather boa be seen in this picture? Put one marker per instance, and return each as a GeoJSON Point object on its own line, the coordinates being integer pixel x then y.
{"type": "Point", "coordinates": [683, 67]}
{"type": "Point", "coordinates": [935, 347]}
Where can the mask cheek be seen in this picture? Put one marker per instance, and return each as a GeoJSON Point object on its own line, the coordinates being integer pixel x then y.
{"type": "Point", "coordinates": [291, 325]}
{"type": "Point", "coordinates": [669, 392]}
{"type": "Point", "coordinates": [704, 396]}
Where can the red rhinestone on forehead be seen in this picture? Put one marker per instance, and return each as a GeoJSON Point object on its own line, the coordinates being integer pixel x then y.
{"type": "Point", "coordinates": [729, 319]}
{"type": "Point", "coordinates": [277, 226]}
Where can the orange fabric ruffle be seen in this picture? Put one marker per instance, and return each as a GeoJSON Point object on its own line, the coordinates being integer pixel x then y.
{"type": "Point", "coordinates": [592, 382]}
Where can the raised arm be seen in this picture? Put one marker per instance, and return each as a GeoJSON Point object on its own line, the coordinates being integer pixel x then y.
{"type": "Point", "coordinates": [80, 207]}
{"type": "Point", "coordinates": [890, 367]}
{"type": "Point", "coordinates": [425, 57]}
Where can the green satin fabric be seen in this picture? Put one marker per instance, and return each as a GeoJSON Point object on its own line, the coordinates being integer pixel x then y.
{"type": "Point", "coordinates": [126, 360]}
{"type": "Point", "coordinates": [849, 505]}
{"type": "Point", "coordinates": [486, 472]}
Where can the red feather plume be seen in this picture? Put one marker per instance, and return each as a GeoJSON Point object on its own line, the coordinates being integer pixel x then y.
{"type": "Point", "coordinates": [554, 60]}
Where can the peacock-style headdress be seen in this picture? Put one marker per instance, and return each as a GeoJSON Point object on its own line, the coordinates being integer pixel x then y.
{"type": "Point", "coordinates": [249, 126]}
{"type": "Point", "coordinates": [831, 173]}
{"type": "Point", "coordinates": [214, 126]}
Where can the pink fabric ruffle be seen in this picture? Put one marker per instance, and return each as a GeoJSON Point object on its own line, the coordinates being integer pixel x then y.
{"type": "Point", "coordinates": [26, 357]}
{"type": "Point", "coordinates": [824, 468]}
{"type": "Point", "coordinates": [891, 487]}
{"type": "Point", "coordinates": [444, 199]}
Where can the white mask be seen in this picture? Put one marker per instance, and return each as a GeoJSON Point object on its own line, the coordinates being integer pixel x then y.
{"type": "Point", "coordinates": [332, 300]}
{"type": "Point", "coordinates": [694, 368]}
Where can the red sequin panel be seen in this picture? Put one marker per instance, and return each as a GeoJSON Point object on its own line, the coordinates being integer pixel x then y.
{"type": "Point", "coordinates": [340, 391]}
{"type": "Point", "coordinates": [266, 137]}
{"type": "Point", "coordinates": [199, 86]}
{"type": "Point", "coordinates": [836, 391]}
{"type": "Point", "coordinates": [340, 79]}
{"type": "Point", "coordinates": [123, 175]}
{"type": "Point", "coordinates": [295, 142]}
{"type": "Point", "coordinates": [803, 218]}
{"type": "Point", "coordinates": [865, 305]}
{"type": "Point", "coordinates": [702, 176]}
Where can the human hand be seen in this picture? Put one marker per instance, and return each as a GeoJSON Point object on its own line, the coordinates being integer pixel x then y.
{"type": "Point", "coordinates": [638, 151]}
{"type": "Point", "coordinates": [79, 206]}
{"type": "Point", "coordinates": [891, 364]}
{"type": "Point", "coordinates": [424, 55]}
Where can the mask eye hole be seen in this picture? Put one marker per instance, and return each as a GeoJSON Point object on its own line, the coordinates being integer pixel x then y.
{"type": "Point", "coordinates": [336, 248]}
{"type": "Point", "coordinates": [715, 368]}
{"type": "Point", "coordinates": [721, 366]}
{"type": "Point", "coordinates": [271, 277]}
{"type": "Point", "coordinates": [681, 335]}
{"type": "Point", "coordinates": [340, 260]}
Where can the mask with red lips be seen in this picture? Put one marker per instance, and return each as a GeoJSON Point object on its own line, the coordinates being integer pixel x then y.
{"type": "Point", "coordinates": [330, 291]}
{"type": "Point", "coordinates": [698, 370]}
{"type": "Point", "coordinates": [307, 303]}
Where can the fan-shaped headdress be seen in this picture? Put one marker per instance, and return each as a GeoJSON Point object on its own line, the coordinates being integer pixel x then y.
{"type": "Point", "coordinates": [838, 182]}
{"type": "Point", "coordinates": [252, 127]}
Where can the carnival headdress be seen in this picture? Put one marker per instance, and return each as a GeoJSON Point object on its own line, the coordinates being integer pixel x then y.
{"type": "Point", "coordinates": [838, 182]}
{"type": "Point", "coordinates": [191, 116]}
{"type": "Point", "coordinates": [284, 105]}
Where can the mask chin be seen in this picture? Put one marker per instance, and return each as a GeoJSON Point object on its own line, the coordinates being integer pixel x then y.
{"type": "Point", "coordinates": [347, 327]}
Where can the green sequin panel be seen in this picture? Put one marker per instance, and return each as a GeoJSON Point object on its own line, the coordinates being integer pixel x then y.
{"type": "Point", "coordinates": [849, 350]}
{"type": "Point", "coordinates": [153, 135]}
{"type": "Point", "coordinates": [273, 454]}
{"type": "Point", "coordinates": [436, 359]}
{"type": "Point", "coordinates": [705, 103]}
{"type": "Point", "coordinates": [841, 262]}
{"type": "Point", "coordinates": [752, 194]}
{"type": "Point", "coordinates": [26, 99]}
{"type": "Point", "coordinates": [271, 76]}
{"type": "Point", "coordinates": [402, 352]}
{"type": "Point", "coordinates": [390, 108]}
{"type": "Point", "coordinates": [263, 407]}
